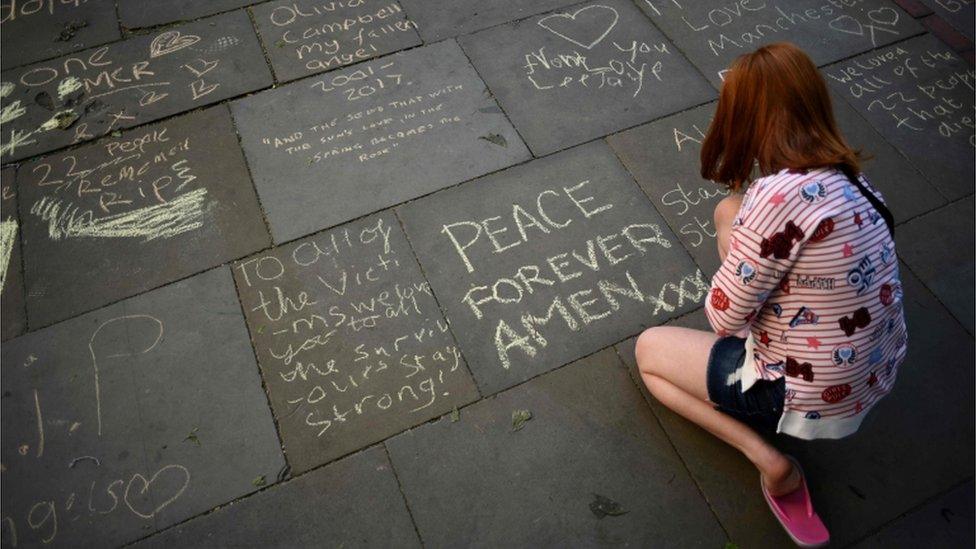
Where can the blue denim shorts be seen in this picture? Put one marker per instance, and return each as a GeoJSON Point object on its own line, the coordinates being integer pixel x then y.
{"type": "Point", "coordinates": [760, 406]}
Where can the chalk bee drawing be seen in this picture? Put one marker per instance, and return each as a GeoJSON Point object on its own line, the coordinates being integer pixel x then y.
{"type": "Point", "coordinates": [580, 31]}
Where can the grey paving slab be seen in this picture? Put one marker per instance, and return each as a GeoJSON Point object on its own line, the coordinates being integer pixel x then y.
{"type": "Point", "coordinates": [139, 13]}
{"type": "Point", "coordinates": [95, 92]}
{"type": "Point", "coordinates": [329, 149]}
{"type": "Point", "coordinates": [354, 502]}
{"type": "Point", "coordinates": [939, 249]}
{"type": "Point", "coordinates": [351, 343]}
{"type": "Point", "coordinates": [135, 417]}
{"type": "Point", "coordinates": [42, 29]}
{"type": "Point", "coordinates": [663, 156]}
{"type": "Point", "coordinates": [126, 214]}
{"type": "Point", "coordinates": [958, 13]}
{"type": "Point", "coordinates": [546, 262]}
{"type": "Point", "coordinates": [590, 435]}
{"type": "Point", "coordinates": [307, 37]}
{"type": "Point", "coordinates": [13, 320]}
{"type": "Point", "coordinates": [571, 76]}
{"type": "Point", "coordinates": [727, 479]}
{"type": "Point", "coordinates": [444, 20]}
{"type": "Point", "coordinates": [906, 191]}
{"type": "Point", "coordinates": [916, 444]}
{"type": "Point", "coordinates": [918, 94]}
{"type": "Point", "coordinates": [946, 521]}
{"type": "Point", "coordinates": [713, 35]}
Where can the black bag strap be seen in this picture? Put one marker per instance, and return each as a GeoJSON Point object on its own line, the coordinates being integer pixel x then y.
{"type": "Point", "coordinates": [872, 198]}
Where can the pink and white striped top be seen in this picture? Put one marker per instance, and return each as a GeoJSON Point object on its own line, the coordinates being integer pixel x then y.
{"type": "Point", "coordinates": [812, 275]}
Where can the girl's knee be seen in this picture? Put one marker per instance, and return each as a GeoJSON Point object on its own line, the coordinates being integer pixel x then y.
{"type": "Point", "coordinates": [649, 341]}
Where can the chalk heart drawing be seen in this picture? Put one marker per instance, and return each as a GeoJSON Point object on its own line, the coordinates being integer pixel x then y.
{"type": "Point", "coordinates": [175, 473]}
{"type": "Point", "coordinates": [170, 41]}
{"type": "Point", "coordinates": [585, 27]}
{"type": "Point", "coordinates": [846, 23]}
{"type": "Point", "coordinates": [884, 16]}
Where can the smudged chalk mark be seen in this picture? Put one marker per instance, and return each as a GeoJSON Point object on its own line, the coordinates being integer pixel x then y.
{"type": "Point", "coordinates": [11, 111]}
{"type": "Point", "coordinates": [160, 221]}
{"type": "Point", "coordinates": [68, 86]}
{"type": "Point", "coordinates": [8, 234]}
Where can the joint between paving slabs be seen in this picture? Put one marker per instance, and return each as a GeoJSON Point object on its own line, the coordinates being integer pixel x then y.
{"type": "Point", "coordinates": [920, 505]}
{"type": "Point", "coordinates": [667, 435]}
{"type": "Point", "coordinates": [403, 495]}
{"type": "Point", "coordinates": [498, 103]}
{"type": "Point", "coordinates": [286, 472]}
{"type": "Point", "coordinates": [20, 243]}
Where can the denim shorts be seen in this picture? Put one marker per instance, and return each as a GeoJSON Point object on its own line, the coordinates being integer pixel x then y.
{"type": "Point", "coordinates": [760, 406]}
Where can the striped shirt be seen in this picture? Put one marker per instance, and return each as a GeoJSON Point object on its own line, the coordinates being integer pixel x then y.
{"type": "Point", "coordinates": [812, 276]}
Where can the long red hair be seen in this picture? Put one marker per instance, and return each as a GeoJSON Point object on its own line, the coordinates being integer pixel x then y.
{"type": "Point", "coordinates": [773, 109]}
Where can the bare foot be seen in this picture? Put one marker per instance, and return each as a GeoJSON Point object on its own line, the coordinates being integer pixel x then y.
{"type": "Point", "coordinates": [782, 478]}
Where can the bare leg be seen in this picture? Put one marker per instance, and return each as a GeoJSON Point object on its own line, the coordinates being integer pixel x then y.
{"type": "Point", "coordinates": [725, 212]}
{"type": "Point", "coordinates": [672, 363]}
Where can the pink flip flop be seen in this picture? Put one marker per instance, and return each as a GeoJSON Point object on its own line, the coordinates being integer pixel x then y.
{"type": "Point", "coordinates": [795, 512]}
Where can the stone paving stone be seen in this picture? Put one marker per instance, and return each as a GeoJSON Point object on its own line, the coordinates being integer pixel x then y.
{"type": "Point", "coordinates": [939, 249]}
{"type": "Point", "coordinates": [351, 343]}
{"type": "Point", "coordinates": [915, 8]}
{"type": "Point", "coordinates": [478, 481]}
{"type": "Point", "coordinates": [135, 417]}
{"type": "Point", "coordinates": [126, 214]}
{"type": "Point", "coordinates": [305, 37]}
{"type": "Point", "coordinates": [332, 148]}
{"type": "Point", "coordinates": [917, 443]}
{"type": "Point", "coordinates": [42, 29]}
{"type": "Point", "coordinates": [919, 96]}
{"type": "Point", "coordinates": [139, 13]}
{"type": "Point", "coordinates": [942, 30]}
{"type": "Point", "coordinates": [95, 92]}
{"type": "Point", "coordinates": [946, 521]}
{"type": "Point", "coordinates": [729, 482]}
{"type": "Point", "coordinates": [712, 36]}
{"type": "Point", "coordinates": [571, 76]}
{"type": "Point", "coordinates": [663, 156]}
{"type": "Point", "coordinates": [907, 192]}
{"type": "Point", "coordinates": [352, 503]}
{"type": "Point", "coordinates": [958, 13]}
{"type": "Point", "coordinates": [438, 21]}
{"type": "Point", "coordinates": [549, 261]}
{"type": "Point", "coordinates": [12, 312]}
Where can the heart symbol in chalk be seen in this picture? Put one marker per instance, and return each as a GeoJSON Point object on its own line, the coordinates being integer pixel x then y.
{"type": "Point", "coordinates": [846, 23]}
{"type": "Point", "coordinates": [884, 16]}
{"type": "Point", "coordinates": [585, 27]}
{"type": "Point", "coordinates": [176, 474]}
{"type": "Point", "coordinates": [170, 41]}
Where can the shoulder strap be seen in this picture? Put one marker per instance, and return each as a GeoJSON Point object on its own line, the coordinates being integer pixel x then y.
{"type": "Point", "coordinates": [873, 199]}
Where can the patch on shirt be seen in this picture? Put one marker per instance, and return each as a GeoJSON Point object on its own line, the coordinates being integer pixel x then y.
{"type": "Point", "coordinates": [861, 276]}
{"type": "Point", "coordinates": [844, 355]}
{"type": "Point", "coordinates": [745, 272]}
{"type": "Point", "coordinates": [836, 393]}
{"type": "Point", "coordinates": [719, 300]}
{"type": "Point", "coordinates": [823, 229]}
{"type": "Point", "coordinates": [813, 192]}
{"type": "Point", "coordinates": [779, 244]}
